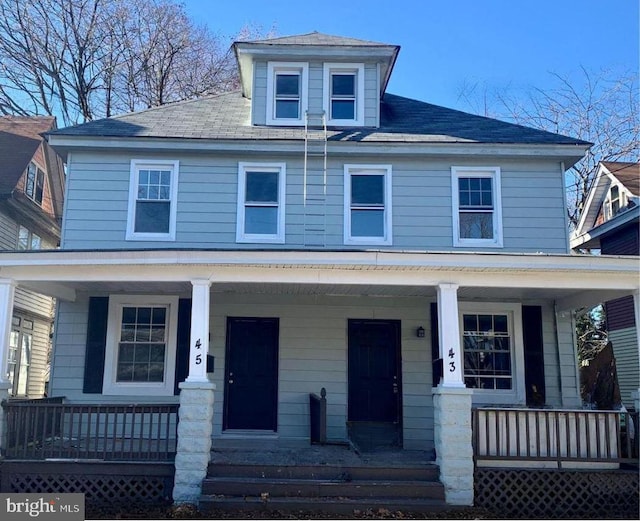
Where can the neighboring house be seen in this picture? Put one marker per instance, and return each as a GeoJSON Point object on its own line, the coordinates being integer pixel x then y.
{"type": "Point", "coordinates": [411, 259]}
{"type": "Point", "coordinates": [610, 223]}
{"type": "Point", "coordinates": [31, 197]}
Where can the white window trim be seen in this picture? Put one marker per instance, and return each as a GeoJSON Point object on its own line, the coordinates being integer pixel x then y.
{"type": "Point", "coordinates": [276, 67]}
{"type": "Point", "coordinates": [361, 169]}
{"type": "Point", "coordinates": [358, 68]}
{"type": "Point", "coordinates": [109, 383]}
{"type": "Point", "coordinates": [279, 236]}
{"type": "Point", "coordinates": [517, 395]}
{"type": "Point", "coordinates": [477, 171]}
{"type": "Point", "coordinates": [137, 164]}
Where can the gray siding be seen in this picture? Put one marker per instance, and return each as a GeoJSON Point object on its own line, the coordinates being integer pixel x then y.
{"type": "Point", "coordinates": [625, 349]}
{"type": "Point", "coordinates": [312, 355]}
{"type": "Point", "coordinates": [98, 189]}
{"type": "Point", "coordinates": [8, 233]}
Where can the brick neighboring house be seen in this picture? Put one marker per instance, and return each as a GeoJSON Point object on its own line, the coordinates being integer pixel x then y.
{"type": "Point", "coordinates": [610, 223]}
{"type": "Point", "coordinates": [31, 199]}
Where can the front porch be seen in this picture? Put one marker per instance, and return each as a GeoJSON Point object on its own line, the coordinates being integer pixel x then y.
{"type": "Point", "coordinates": [314, 306]}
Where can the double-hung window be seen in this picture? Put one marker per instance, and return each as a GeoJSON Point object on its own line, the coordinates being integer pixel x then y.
{"type": "Point", "coordinates": [367, 204]}
{"type": "Point", "coordinates": [493, 352]}
{"type": "Point", "coordinates": [35, 183]}
{"type": "Point", "coordinates": [344, 93]}
{"type": "Point", "coordinates": [141, 336]}
{"type": "Point", "coordinates": [287, 90]}
{"type": "Point", "coordinates": [477, 210]}
{"type": "Point", "coordinates": [261, 208]}
{"type": "Point", "coordinates": [19, 356]}
{"type": "Point", "coordinates": [27, 240]}
{"type": "Point", "coordinates": [614, 202]}
{"type": "Point", "coordinates": [153, 194]}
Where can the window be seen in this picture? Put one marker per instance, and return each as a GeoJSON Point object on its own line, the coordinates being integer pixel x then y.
{"type": "Point", "coordinates": [477, 210]}
{"type": "Point", "coordinates": [141, 345]}
{"type": "Point", "coordinates": [287, 88]}
{"type": "Point", "coordinates": [367, 204]}
{"type": "Point", "coordinates": [344, 93]}
{"type": "Point", "coordinates": [152, 200]}
{"type": "Point", "coordinates": [492, 350]}
{"type": "Point", "coordinates": [261, 196]}
{"type": "Point", "coordinates": [27, 240]}
{"type": "Point", "coordinates": [615, 201]}
{"type": "Point", "coordinates": [35, 183]}
{"type": "Point", "coordinates": [19, 357]}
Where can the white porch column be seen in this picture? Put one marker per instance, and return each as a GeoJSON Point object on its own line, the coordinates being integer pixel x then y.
{"type": "Point", "coordinates": [7, 292]}
{"type": "Point", "coordinates": [636, 310]}
{"type": "Point", "coordinates": [452, 406]}
{"type": "Point", "coordinates": [196, 404]}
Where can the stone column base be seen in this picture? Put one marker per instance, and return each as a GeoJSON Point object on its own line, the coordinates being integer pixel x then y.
{"type": "Point", "coordinates": [194, 440]}
{"type": "Point", "coordinates": [452, 436]}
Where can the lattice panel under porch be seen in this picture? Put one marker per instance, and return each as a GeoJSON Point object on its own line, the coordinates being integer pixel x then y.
{"type": "Point", "coordinates": [540, 494]}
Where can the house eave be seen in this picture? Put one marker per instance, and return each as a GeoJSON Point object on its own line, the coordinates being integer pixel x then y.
{"type": "Point", "coordinates": [591, 238]}
{"type": "Point", "coordinates": [569, 153]}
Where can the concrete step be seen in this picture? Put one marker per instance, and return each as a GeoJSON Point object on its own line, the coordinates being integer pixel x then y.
{"type": "Point", "coordinates": [258, 487]}
{"type": "Point", "coordinates": [425, 472]}
{"type": "Point", "coordinates": [324, 505]}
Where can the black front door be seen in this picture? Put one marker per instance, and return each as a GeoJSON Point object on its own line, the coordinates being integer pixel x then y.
{"type": "Point", "coordinates": [374, 375]}
{"type": "Point", "coordinates": [251, 374]}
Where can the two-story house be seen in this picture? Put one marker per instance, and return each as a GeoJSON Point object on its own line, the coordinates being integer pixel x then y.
{"type": "Point", "coordinates": [314, 231]}
{"type": "Point", "coordinates": [610, 223]}
{"type": "Point", "coordinates": [31, 197]}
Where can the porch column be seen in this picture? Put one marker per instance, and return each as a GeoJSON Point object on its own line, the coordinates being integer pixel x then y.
{"type": "Point", "coordinates": [7, 292]}
{"type": "Point", "coordinates": [452, 406]}
{"type": "Point", "coordinates": [196, 404]}
{"type": "Point", "coordinates": [636, 310]}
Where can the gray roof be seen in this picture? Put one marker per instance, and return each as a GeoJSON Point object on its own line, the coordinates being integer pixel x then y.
{"type": "Point", "coordinates": [227, 116]}
{"type": "Point", "coordinates": [316, 38]}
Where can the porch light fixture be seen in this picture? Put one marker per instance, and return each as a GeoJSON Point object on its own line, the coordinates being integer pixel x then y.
{"type": "Point", "coordinates": [420, 332]}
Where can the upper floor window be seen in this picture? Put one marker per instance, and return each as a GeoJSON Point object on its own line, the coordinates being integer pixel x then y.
{"type": "Point", "coordinates": [367, 204]}
{"type": "Point", "coordinates": [261, 196]}
{"type": "Point", "coordinates": [615, 201]}
{"type": "Point", "coordinates": [35, 183]}
{"type": "Point", "coordinates": [142, 332]}
{"type": "Point", "coordinates": [477, 209]}
{"type": "Point", "coordinates": [287, 88]}
{"type": "Point", "coordinates": [344, 93]}
{"type": "Point", "coordinates": [27, 240]}
{"type": "Point", "coordinates": [152, 200]}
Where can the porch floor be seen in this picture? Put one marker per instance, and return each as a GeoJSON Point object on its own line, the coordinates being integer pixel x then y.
{"type": "Point", "coordinates": [273, 453]}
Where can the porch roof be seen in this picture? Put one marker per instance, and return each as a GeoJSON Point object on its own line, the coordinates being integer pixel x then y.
{"type": "Point", "coordinates": [571, 281]}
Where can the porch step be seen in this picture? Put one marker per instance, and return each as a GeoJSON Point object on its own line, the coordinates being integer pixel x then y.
{"type": "Point", "coordinates": [330, 488]}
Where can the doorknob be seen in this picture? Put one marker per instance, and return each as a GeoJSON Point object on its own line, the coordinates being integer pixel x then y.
{"type": "Point", "coordinates": [395, 388]}
{"type": "Point", "coordinates": [230, 381]}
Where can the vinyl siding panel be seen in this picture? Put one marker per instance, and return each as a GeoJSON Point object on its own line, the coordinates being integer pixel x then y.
{"type": "Point", "coordinates": [8, 233]}
{"type": "Point", "coordinates": [97, 202]}
{"type": "Point", "coordinates": [259, 94]}
{"type": "Point", "coordinates": [625, 350]}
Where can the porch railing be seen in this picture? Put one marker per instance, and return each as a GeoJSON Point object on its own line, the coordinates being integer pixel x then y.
{"type": "Point", "coordinates": [561, 438]}
{"type": "Point", "coordinates": [51, 429]}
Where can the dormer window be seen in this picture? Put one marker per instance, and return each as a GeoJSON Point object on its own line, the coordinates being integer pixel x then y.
{"type": "Point", "coordinates": [287, 88]}
{"type": "Point", "coordinates": [344, 93]}
{"type": "Point", "coordinates": [35, 183]}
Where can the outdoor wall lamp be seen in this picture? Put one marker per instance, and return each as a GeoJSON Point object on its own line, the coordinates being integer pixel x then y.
{"type": "Point", "coordinates": [420, 332]}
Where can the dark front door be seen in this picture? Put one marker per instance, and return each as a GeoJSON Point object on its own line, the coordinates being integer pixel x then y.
{"type": "Point", "coordinates": [374, 377]}
{"type": "Point", "coordinates": [251, 374]}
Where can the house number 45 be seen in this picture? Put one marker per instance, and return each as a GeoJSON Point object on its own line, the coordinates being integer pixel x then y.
{"type": "Point", "coordinates": [198, 355]}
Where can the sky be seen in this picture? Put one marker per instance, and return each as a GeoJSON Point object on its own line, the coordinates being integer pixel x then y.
{"type": "Point", "coordinates": [448, 46]}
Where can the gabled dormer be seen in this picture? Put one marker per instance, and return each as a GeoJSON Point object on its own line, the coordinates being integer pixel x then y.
{"type": "Point", "coordinates": [293, 78]}
{"type": "Point", "coordinates": [612, 204]}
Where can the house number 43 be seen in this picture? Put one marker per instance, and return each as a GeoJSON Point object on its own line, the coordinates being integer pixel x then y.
{"type": "Point", "coordinates": [452, 364]}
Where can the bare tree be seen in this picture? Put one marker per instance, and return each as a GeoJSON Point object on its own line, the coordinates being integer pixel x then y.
{"type": "Point", "coordinates": [599, 107]}
{"type": "Point", "coordinates": [82, 59]}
